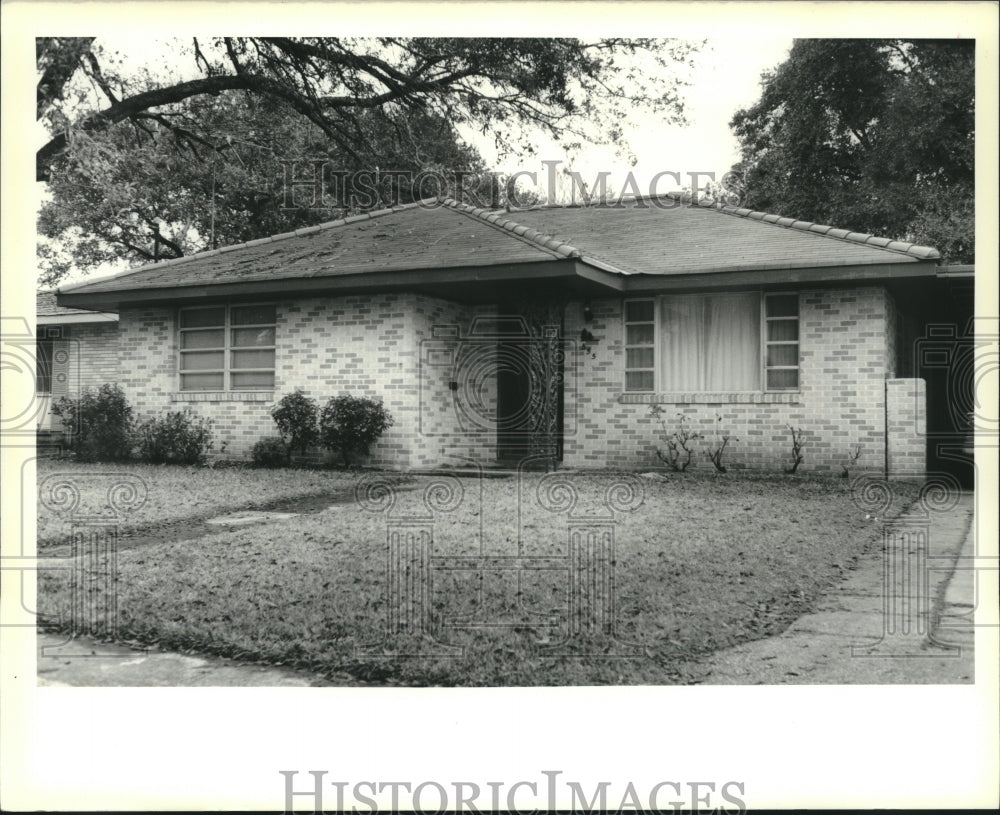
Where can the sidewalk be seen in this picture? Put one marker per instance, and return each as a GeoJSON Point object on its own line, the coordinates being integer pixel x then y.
{"type": "Point", "coordinates": [83, 662]}
{"type": "Point", "coordinates": [861, 633]}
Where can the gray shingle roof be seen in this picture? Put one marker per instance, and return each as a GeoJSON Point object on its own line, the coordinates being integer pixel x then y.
{"type": "Point", "coordinates": [671, 235]}
{"type": "Point", "coordinates": [407, 238]}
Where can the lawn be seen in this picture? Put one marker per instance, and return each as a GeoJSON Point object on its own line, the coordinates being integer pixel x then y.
{"type": "Point", "coordinates": [703, 563]}
{"type": "Point", "coordinates": [175, 494]}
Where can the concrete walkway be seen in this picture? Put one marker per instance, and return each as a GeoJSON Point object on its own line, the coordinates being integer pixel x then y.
{"type": "Point", "coordinates": [900, 618]}
{"type": "Point", "coordinates": [83, 662]}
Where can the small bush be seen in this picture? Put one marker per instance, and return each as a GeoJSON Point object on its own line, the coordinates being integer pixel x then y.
{"type": "Point", "coordinates": [852, 458]}
{"type": "Point", "coordinates": [180, 437]}
{"type": "Point", "coordinates": [797, 446]}
{"type": "Point", "coordinates": [270, 452]}
{"type": "Point", "coordinates": [351, 424]}
{"type": "Point", "coordinates": [295, 415]}
{"type": "Point", "coordinates": [722, 441]}
{"type": "Point", "coordinates": [678, 454]}
{"type": "Point", "coordinates": [100, 424]}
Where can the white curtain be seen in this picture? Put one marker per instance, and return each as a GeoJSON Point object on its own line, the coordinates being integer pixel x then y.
{"type": "Point", "coordinates": [710, 343]}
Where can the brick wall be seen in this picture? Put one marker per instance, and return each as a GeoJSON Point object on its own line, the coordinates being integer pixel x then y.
{"type": "Point", "coordinates": [97, 347]}
{"type": "Point", "coordinates": [364, 345]}
{"type": "Point", "coordinates": [381, 346]}
{"type": "Point", "coordinates": [844, 360]}
{"type": "Point", "coordinates": [893, 331]}
{"type": "Point", "coordinates": [906, 418]}
{"type": "Point", "coordinates": [457, 379]}
{"type": "Point", "coordinates": [84, 355]}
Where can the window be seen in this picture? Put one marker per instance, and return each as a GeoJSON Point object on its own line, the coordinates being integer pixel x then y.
{"type": "Point", "coordinates": [712, 343]}
{"type": "Point", "coordinates": [227, 348]}
{"type": "Point", "coordinates": [44, 347]}
{"type": "Point", "coordinates": [781, 361]}
{"type": "Point", "coordinates": [640, 339]}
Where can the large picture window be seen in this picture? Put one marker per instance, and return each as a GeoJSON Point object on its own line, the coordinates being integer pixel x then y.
{"type": "Point", "coordinates": [227, 348]}
{"type": "Point", "coordinates": [712, 343]}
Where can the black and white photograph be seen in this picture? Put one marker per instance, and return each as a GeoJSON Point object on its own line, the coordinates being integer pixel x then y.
{"type": "Point", "coordinates": [380, 379]}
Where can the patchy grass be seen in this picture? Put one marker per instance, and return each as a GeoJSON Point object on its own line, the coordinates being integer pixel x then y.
{"type": "Point", "coordinates": [178, 493]}
{"type": "Point", "coordinates": [704, 563]}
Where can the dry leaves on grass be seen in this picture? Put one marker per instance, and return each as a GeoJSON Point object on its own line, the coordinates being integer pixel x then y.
{"type": "Point", "coordinates": [175, 493]}
{"type": "Point", "coordinates": [702, 564]}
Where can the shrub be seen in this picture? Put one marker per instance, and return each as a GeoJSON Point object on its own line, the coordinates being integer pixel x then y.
{"type": "Point", "coordinates": [852, 457]}
{"type": "Point", "coordinates": [678, 454]}
{"type": "Point", "coordinates": [722, 441]}
{"type": "Point", "coordinates": [270, 452]}
{"type": "Point", "coordinates": [797, 446]}
{"type": "Point", "coordinates": [100, 424]}
{"type": "Point", "coordinates": [180, 437]}
{"type": "Point", "coordinates": [351, 424]}
{"type": "Point", "coordinates": [295, 415]}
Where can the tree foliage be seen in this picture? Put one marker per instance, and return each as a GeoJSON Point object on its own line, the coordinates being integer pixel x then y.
{"type": "Point", "coordinates": [141, 166]}
{"type": "Point", "coordinates": [871, 135]}
{"type": "Point", "coordinates": [145, 193]}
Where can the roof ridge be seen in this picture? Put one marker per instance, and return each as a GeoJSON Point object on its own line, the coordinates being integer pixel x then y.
{"type": "Point", "coordinates": [863, 238]}
{"type": "Point", "coordinates": [296, 233]}
{"type": "Point", "coordinates": [550, 243]}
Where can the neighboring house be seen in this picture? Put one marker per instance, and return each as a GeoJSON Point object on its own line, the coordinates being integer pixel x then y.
{"type": "Point", "coordinates": [75, 349]}
{"type": "Point", "coordinates": [455, 317]}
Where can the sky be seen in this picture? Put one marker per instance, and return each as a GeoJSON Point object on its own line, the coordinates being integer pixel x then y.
{"type": "Point", "coordinates": [726, 77]}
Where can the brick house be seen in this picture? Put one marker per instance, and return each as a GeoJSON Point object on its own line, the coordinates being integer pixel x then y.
{"type": "Point", "coordinates": [485, 331]}
{"type": "Point", "coordinates": [75, 349]}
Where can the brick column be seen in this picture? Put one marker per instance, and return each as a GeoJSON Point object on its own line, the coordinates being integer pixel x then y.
{"type": "Point", "coordinates": [906, 428]}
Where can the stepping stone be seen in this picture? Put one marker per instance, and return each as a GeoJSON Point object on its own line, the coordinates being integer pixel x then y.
{"type": "Point", "coordinates": [245, 518]}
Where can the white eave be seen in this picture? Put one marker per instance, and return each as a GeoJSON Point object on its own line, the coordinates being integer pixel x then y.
{"type": "Point", "coordinates": [73, 319]}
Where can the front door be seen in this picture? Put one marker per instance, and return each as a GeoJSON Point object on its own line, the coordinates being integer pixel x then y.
{"type": "Point", "coordinates": [529, 398]}
{"type": "Point", "coordinates": [514, 416]}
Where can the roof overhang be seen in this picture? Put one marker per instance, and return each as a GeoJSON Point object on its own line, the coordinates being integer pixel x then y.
{"type": "Point", "coordinates": [471, 283]}
{"type": "Point", "coordinates": [957, 271]}
{"type": "Point", "coordinates": [811, 276]}
{"type": "Point", "coordinates": [491, 283]}
{"type": "Point", "coordinates": [73, 319]}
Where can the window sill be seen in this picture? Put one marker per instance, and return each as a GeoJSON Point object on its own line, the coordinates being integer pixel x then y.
{"type": "Point", "coordinates": [222, 396]}
{"type": "Point", "coordinates": [775, 398]}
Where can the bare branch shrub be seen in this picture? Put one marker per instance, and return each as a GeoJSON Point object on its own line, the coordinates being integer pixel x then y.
{"type": "Point", "coordinates": [797, 446]}
{"type": "Point", "coordinates": [678, 454]}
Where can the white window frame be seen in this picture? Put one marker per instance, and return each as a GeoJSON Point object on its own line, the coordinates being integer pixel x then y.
{"type": "Point", "coordinates": [227, 370]}
{"type": "Point", "coordinates": [656, 341]}
{"type": "Point", "coordinates": [764, 342]}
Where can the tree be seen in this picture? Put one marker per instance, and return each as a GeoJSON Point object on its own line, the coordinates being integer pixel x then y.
{"type": "Point", "coordinates": [870, 135]}
{"type": "Point", "coordinates": [141, 193]}
{"type": "Point", "coordinates": [200, 152]}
